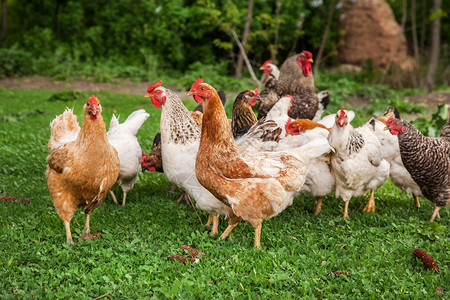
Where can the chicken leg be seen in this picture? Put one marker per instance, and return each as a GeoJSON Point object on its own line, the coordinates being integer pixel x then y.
{"type": "Point", "coordinates": [318, 205]}
{"type": "Point", "coordinates": [370, 206]}
{"type": "Point", "coordinates": [215, 225]}
{"type": "Point", "coordinates": [88, 226]}
{"type": "Point", "coordinates": [68, 233]}
{"type": "Point", "coordinates": [210, 220]}
{"type": "Point", "coordinates": [435, 213]}
{"type": "Point", "coordinates": [346, 209]}
{"type": "Point", "coordinates": [114, 197]}
{"type": "Point", "coordinates": [416, 201]}
{"type": "Point", "coordinates": [258, 236]}
{"type": "Point", "coordinates": [228, 230]}
{"type": "Point", "coordinates": [124, 199]}
{"type": "Point", "coordinates": [186, 198]}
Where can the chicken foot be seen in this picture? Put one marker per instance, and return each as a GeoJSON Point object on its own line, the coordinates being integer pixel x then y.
{"type": "Point", "coordinates": [318, 205]}
{"type": "Point", "coordinates": [370, 206]}
{"type": "Point", "coordinates": [435, 213]}
{"type": "Point", "coordinates": [186, 198]}
{"type": "Point", "coordinates": [115, 199]}
{"type": "Point", "coordinates": [228, 230]}
{"type": "Point", "coordinates": [416, 201]}
{"type": "Point", "coordinates": [215, 225]}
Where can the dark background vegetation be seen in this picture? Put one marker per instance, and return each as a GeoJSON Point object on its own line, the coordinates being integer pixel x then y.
{"type": "Point", "coordinates": [148, 39]}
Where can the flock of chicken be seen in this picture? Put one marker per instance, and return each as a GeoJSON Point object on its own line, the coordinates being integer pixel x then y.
{"type": "Point", "coordinates": [249, 167]}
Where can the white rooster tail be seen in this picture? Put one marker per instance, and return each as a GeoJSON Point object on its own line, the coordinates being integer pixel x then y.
{"type": "Point", "coordinates": [114, 122]}
{"type": "Point", "coordinates": [64, 128]}
{"type": "Point", "coordinates": [135, 120]}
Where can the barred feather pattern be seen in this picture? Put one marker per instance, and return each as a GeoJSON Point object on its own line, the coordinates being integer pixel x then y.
{"type": "Point", "coordinates": [178, 120]}
{"type": "Point", "coordinates": [355, 142]}
{"type": "Point", "coordinates": [427, 159]}
{"type": "Point", "coordinates": [304, 105]}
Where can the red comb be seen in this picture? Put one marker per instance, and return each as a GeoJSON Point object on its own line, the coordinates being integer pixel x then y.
{"type": "Point", "coordinates": [256, 92]}
{"type": "Point", "coordinates": [195, 84]}
{"type": "Point", "coordinates": [93, 100]}
{"type": "Point", "coordinates": [288, 123]}
{"type": "Point", "coordinates": [289, 96]}
{"type": "Point", "coordinates": [342, 113]}
{"type": "Point", "coordinates": [390, 120]}
{"type": "Point", "coordinates": [266, 63]}
{"type": "Point", "coordinates": [152, 87]}
{"type": "Point", "coordinates": [307, 54]}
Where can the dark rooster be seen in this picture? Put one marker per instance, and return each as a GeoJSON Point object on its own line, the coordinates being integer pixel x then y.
{"type": "Point", "coordinates": [427, 159]}
{"type": "Point", "coordinates": [296, 79]}
{"type": "Point", "coordinates": [243, 116]}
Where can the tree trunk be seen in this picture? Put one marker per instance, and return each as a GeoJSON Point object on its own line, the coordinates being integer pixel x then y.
{"type": "Point", "coordinates": [423, 28]}
{"type": "Point", "coordinates": [55, 19]}
{"type": "Point", "coordinates": [324, 37]}
{"type": "Point", "coordinates": [414, 32]}
{"type": "Point", "coordinates": [435, 47]}
{"type": "Point", "coordinates": [248, 22]}
{"type": "Point", "coordinates": [4, 20]}
{"type": "Point", "coordinates": [274, 49]}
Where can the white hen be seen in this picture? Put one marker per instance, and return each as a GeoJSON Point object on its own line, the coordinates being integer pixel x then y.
{"type": "Point", "coordinates": [357, 161]}
{"type": "Point", "coordinates": [123, 138]}
{"type": "Point", "coordinates": [180, 138]}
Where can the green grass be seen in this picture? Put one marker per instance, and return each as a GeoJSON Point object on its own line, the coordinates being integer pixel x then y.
{"type": "Point", "coordinates": [131, 259]}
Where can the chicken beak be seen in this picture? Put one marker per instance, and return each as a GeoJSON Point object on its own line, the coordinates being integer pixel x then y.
{"type": "Point", "coordinates": [144, 169]}
{"type": "Point", "coordinates": [341, 122]}
{"type": "Point", "coordinates": [262, 68]}
{"type": "Point", "coordinates": [148, 95]}
{"type": "Point", "coordinates": [258, 98]}
{"type": "Point", "coordinates": [190, 93]}
{"type": "Point", "coordinates": [310, 60]}
{"type": "Point", "coordinates": [386, 128]}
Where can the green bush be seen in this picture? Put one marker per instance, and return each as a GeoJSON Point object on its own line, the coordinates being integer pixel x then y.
{"type": "Point", "coordinates": [15, 62]}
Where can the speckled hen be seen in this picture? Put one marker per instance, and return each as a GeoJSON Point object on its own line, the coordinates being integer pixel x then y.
{"type": "Point", "coordinates": [427, 159]}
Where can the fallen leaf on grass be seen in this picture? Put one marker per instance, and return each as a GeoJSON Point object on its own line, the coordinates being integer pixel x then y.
{"type": "Point", "coordinates": [92, 236]}
{"type": "Point", "coordinates": [338, 273]}
{"type": "Point", "coordinates": [184, 259]}
{"type": "Point", "coordinates": [428, 262]}
{"type": "Point", "coordinates": [292, 237]}
{"type": "Point", "coordinates": [439, 290]}
{"type": "Point", "coordinates": [194, 252]}
{"type": "Point", "coordinates": [11, 199]}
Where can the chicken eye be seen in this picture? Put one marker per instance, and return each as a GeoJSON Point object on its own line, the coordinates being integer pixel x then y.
{"type": "Point", "coordinates": [158, 92]}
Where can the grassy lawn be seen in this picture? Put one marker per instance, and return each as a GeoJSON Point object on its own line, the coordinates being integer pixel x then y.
{"type": "Point", "coordinates": [299, 252]}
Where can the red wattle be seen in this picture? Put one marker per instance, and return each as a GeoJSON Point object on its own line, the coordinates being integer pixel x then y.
{"type": "Point", "coordinates": [156, 103]}
{"type": "Point", "coordinates": [252, 102]}
{"type": "Point", "coordinates": [152, 169]}
{"type": "Point", "coordinates": [198, 99]}
{"type": "Point", "coordinates": [306, 68]}
{"type": "Point", "coordinates": [93, 117]}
